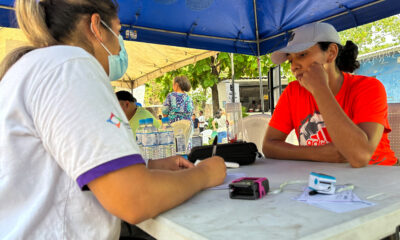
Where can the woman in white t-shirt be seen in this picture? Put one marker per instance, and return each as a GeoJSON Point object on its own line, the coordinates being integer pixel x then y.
{"type": "Point", "coordinates": [220, 120]}
{"type": "Point", "coordinates": [64, 132]}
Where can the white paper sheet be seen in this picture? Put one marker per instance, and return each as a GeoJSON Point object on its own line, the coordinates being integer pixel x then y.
{"type": "Point", "coordinates": [344, 201]}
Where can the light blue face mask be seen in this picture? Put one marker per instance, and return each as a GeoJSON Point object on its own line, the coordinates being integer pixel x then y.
{"type": "Point", "coordinates": [117, 64]}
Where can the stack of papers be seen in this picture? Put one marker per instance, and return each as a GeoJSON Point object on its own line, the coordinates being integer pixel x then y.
{"type": "Point", "coordinates": [344, 201]}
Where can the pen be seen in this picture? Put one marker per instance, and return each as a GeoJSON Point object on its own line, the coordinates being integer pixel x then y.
{"type": "Point", "coordinates": [214, 149]}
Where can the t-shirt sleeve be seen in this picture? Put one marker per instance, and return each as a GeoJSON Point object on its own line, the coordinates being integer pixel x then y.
{"type": "Point", "coordinates": [80, 122]}
{"type": "Point", "coordinates": [370, 102]}
{"type": "Point", "coordinates": [281, 118]}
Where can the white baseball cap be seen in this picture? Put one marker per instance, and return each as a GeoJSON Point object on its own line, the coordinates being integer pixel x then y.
{"type": "Point", "coordinates": [305, 37]}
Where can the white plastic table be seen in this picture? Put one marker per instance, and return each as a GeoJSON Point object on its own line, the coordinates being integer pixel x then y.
{"type": "Point", "coordinates": [211, 214]}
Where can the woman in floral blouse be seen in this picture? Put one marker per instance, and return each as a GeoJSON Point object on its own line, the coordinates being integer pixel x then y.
{"type": "Point", "coordinates": [178, 104]}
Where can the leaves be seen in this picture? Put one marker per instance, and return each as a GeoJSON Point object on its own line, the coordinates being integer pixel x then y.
{"type": "Point", "coordinates": [374, 36]}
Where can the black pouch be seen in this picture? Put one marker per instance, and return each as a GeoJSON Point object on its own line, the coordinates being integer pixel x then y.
{"type": "Point", "coordinates": [243, 153]}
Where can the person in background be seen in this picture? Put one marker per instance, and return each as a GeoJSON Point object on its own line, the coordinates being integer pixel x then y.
{"type": "Point", "coordinates": [202, 121]}
{"type": "Point", "coordinates": [252, 106]}
{"type": "Point", "coordinates": [195, 123]}
{"type": "Point", "coordinates": [178, 105]}
{"type": "Point", "coordinates": [72, 170]}
{"type": "Point", "coordinates": [133, 112]}
{"type": "Point", "coordinates": [337, 116]}
{"type": "Point", "coordinates": [220, 119]}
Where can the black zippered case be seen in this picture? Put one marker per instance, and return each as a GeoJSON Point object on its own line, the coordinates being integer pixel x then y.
{"type": "Point", "coordinates": [243, 153]}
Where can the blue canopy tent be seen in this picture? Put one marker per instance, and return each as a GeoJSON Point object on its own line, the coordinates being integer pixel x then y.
{"type": "Point", "coordinates": [253, 27]}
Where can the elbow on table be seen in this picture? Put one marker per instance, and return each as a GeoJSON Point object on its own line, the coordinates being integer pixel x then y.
{"type": "Point", "coordinates": [267, 149]}
{"type": "Point", "coordinates": [358, 164]}
{"type": "Point", "coordinates": [133, 220]}
{"type": "Point", "coordinates": [135, 215]}
{"type": "Point", "coordinates": [361, 160]}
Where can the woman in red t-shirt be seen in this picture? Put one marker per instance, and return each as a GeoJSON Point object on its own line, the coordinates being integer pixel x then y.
{"type": "Point", "coordinates": [337, 116]}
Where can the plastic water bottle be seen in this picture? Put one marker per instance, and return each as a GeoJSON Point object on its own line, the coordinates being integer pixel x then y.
{"type": "Point", "coordinates": [154, 134]}
{"type": "Point", "coordinates": [156, 144]}
{"type": "Point", "coordinates": [149, 140]}
{"type": "Point", "coordinates": [163, 139]}
{"type": "Point", "coordinates": [139, 135]}
{"type": "Point", "coordinates": [166, 139]}
{"type": "Point", "coordinates": [180, 142]}
{"type": "Point", "coordinates": [171, 147]}
{"type": "Point", "coordinates": [144, 140]}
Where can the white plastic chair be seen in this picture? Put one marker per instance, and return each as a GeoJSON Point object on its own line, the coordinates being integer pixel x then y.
{"type": "Point", "coordinates": [254, 127]}
{"type": "Point", "coordinates": [394, 122]}
{"type": "Point", "coordinates": [206, 135]}
{"type": "Point", "coordinates": [186, 126]}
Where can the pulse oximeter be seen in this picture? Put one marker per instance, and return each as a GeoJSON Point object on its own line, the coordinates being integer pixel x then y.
{"type": "Point", "coordinates": [322, 183]}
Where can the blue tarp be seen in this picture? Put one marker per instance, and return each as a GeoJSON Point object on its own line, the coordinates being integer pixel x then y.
{"type": "Point", "coordinates": [230, 25]}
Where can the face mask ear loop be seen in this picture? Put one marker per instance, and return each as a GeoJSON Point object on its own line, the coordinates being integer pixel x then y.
{"type": "Point", "coordinates": [91, 29]}
{"type": "Point", "coordinates": [105, 24]}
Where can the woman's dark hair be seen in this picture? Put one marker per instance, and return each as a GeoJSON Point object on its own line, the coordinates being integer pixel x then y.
{"type": "Point", "coordinates": [183, 83]}
{"type": "Point", "coordinates": [346, 59]}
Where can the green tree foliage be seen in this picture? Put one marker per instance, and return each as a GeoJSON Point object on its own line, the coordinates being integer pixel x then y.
{"type": "Point", "coordinates": [208, 72]}
{"type": "Point", "coordinates": [374, 36]}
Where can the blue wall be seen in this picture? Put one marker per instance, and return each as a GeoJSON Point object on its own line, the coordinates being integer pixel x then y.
{"type": "Point", "coordinates": [387, 70]}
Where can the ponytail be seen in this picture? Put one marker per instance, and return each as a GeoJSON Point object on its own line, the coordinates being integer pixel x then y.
{"type": "Point", "coordinates": [346, 60]}
{"type": "Point", "coordinates": [31, 20]}
{"type": "Point", "coordinates": [52, 22]}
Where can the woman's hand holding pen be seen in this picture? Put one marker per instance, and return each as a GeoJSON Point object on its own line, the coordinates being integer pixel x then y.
{"type": "Point", "coordinates": [215, 170]}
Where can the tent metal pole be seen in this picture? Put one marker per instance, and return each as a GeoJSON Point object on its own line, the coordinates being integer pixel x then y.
{"type": "Point", "coordinates": [233, 77]}
{"type": "Point", "coordinates": [258, 55]}
{"type": "Point", "coordinates": [261, 84]}
{"type": "Point", "coordinates": [6, 7]}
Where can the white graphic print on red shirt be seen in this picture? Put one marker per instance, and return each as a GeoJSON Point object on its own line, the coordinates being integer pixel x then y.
{"type": "Point", "coordinates": [313, 131]}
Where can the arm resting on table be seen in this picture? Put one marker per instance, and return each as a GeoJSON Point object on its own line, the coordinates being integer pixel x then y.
{"type": "Point", "coordinates": [135, 193]}
{"type": "Point", "coordinates": [274, 146]}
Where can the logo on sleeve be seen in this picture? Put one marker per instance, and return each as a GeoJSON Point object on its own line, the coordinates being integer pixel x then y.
{"type": "Point", "coordinates": [114, 120]}
{"type": "Point", "coordinates": [313, 131]}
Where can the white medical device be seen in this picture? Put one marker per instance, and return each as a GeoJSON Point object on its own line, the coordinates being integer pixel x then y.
{"type": "Point", "coordinates": [322, 183]}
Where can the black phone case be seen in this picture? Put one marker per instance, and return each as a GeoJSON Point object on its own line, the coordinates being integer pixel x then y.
{"type": "Point", "coordinates": [243, 153]}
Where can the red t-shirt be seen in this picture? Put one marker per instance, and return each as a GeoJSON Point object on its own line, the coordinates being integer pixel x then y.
{"type": "Point", "coordinates": [362, 98]}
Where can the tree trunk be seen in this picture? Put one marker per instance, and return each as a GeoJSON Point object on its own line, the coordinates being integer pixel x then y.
{"type": "Point", "coordinates": [214, 89]}
{"type": "Point", "coordinates": [203, 103]}
{"type": "Point", "coordinates": [215, 98]}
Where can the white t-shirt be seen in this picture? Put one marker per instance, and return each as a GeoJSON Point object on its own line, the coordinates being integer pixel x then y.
{"type": "Point", "coordinates": [221, 124]}
{"type": "Point", "coordinates": [201, 119]}
{"type": "Point", "coordinates": [61, 127]}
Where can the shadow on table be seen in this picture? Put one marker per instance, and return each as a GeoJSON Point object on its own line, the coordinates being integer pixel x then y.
{"type": "Point", "coordinates": [131, 232]}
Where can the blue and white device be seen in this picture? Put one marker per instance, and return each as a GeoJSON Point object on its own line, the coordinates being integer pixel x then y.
{"type": "Point", "coordinates": [322, 183]}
